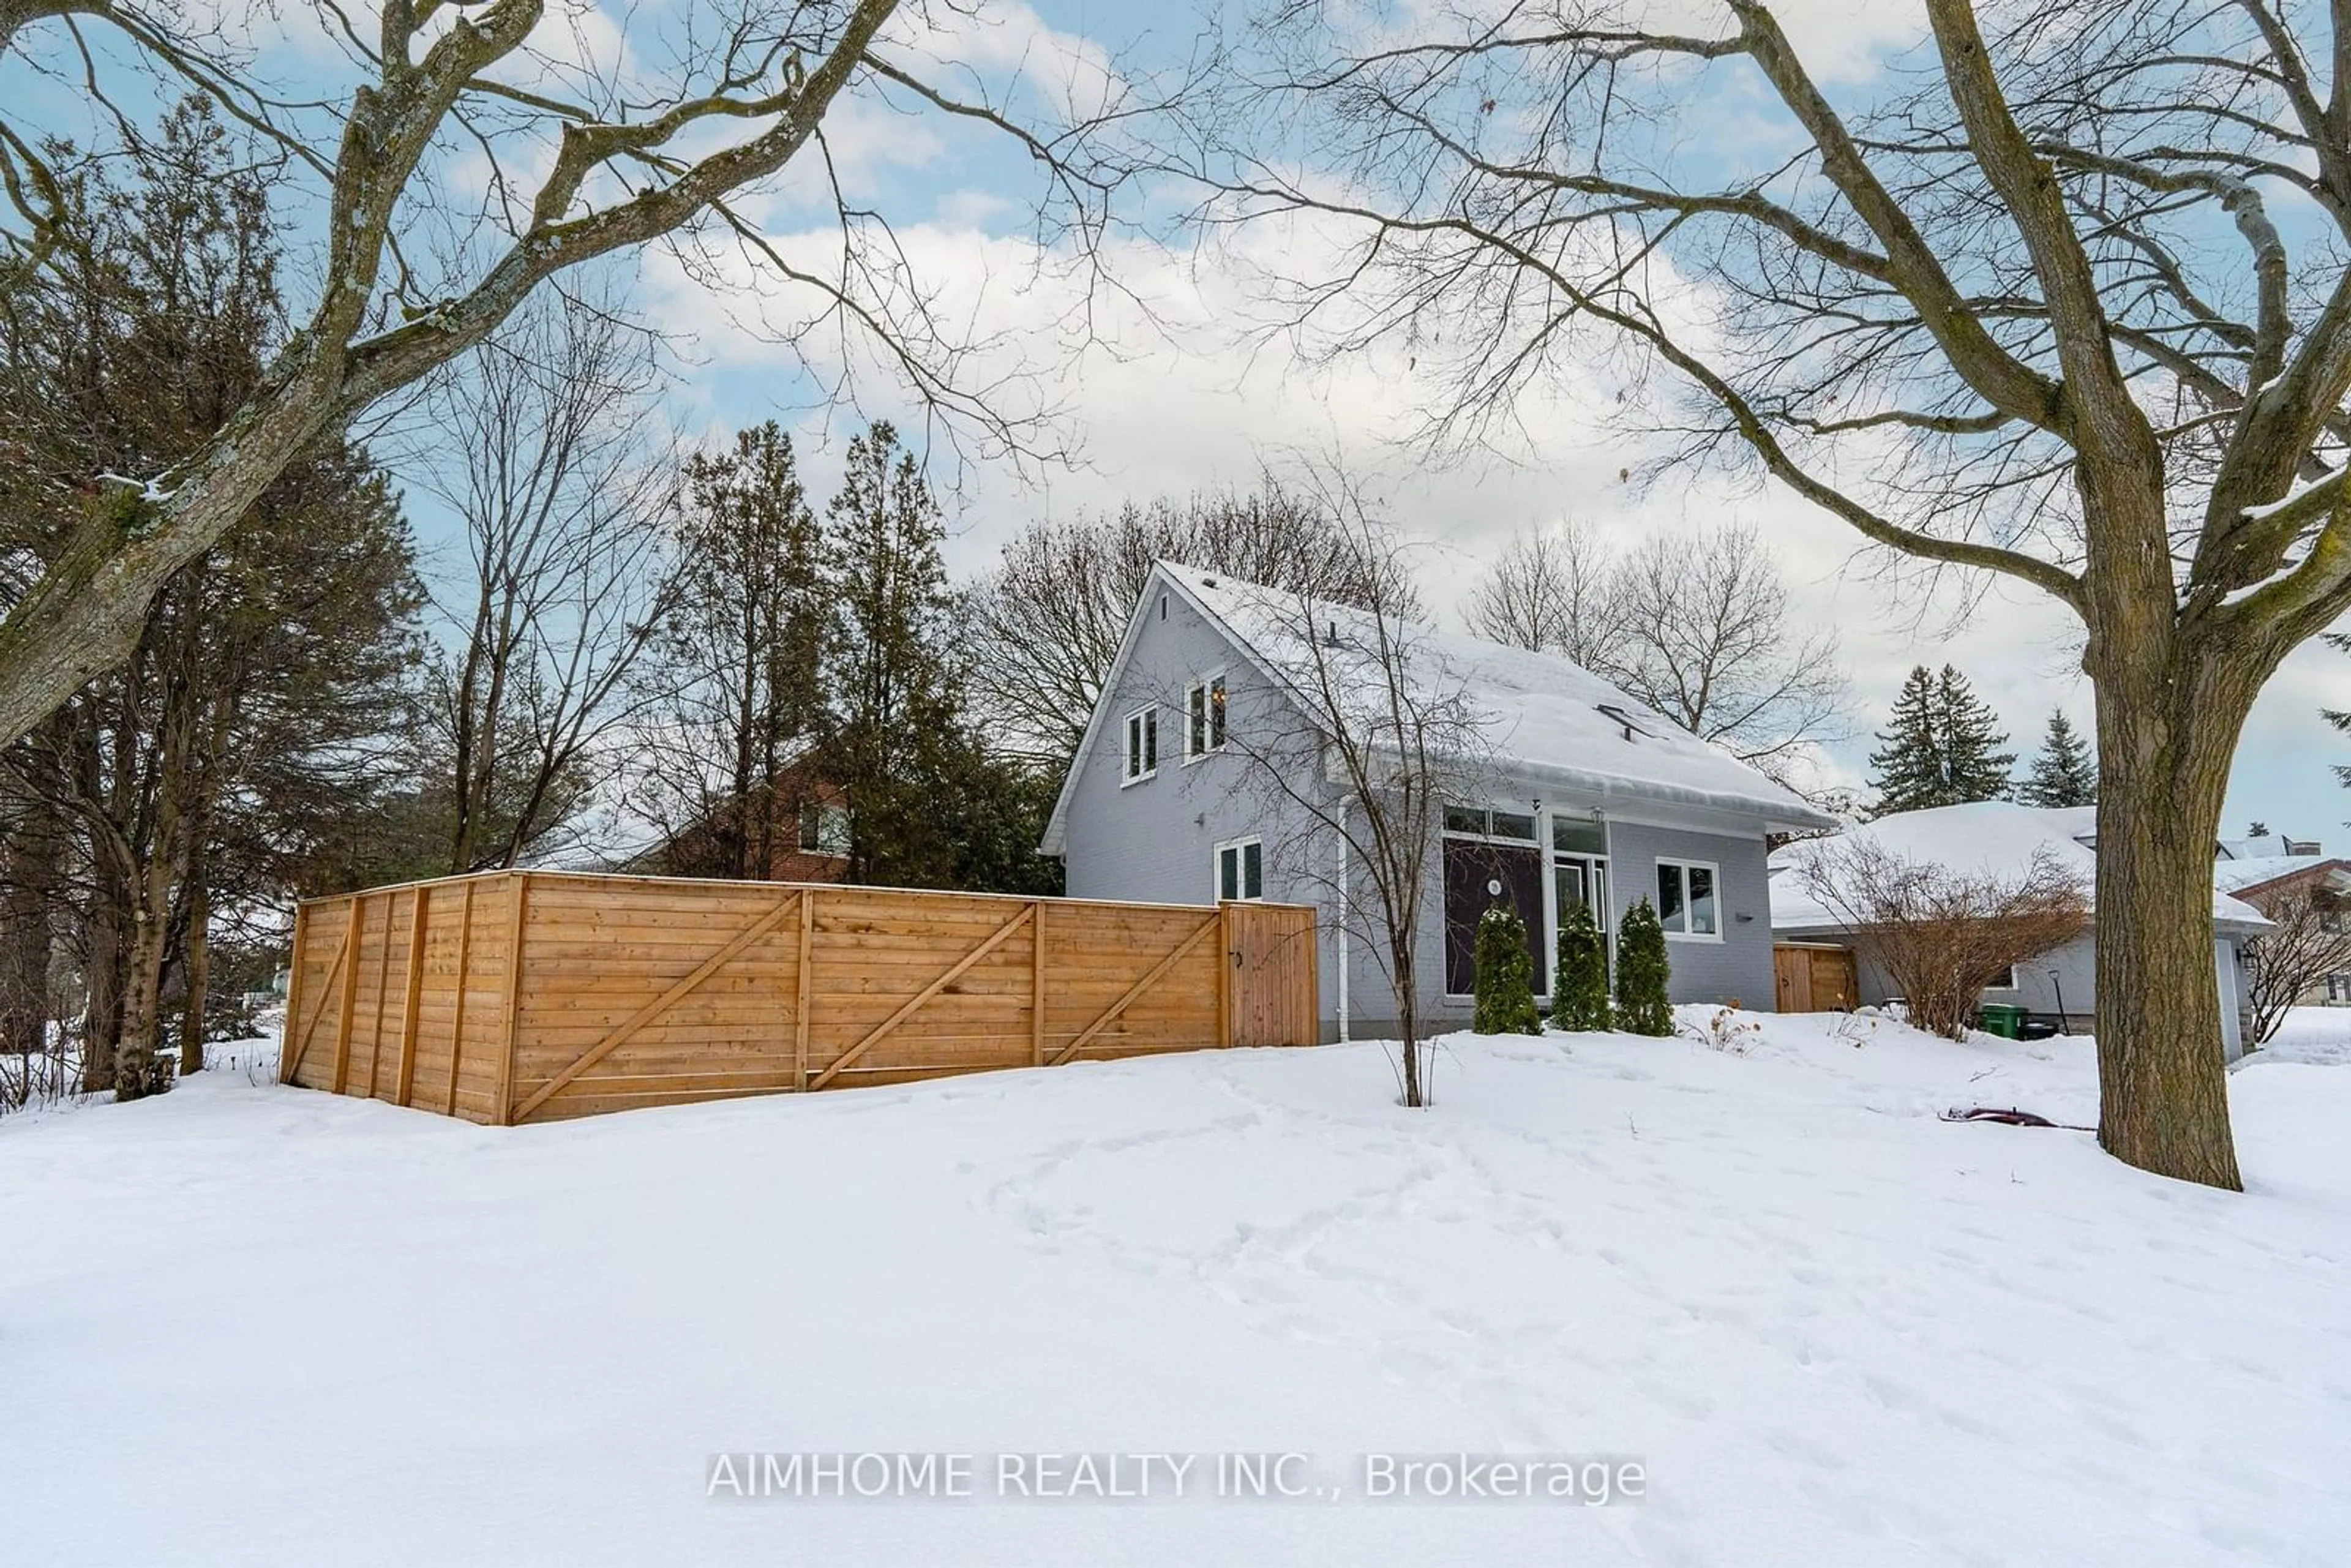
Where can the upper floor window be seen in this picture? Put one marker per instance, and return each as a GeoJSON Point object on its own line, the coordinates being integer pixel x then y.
{"type": "Point", "coordinates": [1240, 869]}
{"type": "Point", "coordinates": [1203, 717]}
{"type": "Point", "coordinates": [824, 828]}
{"type": "Point", "coordinates": [1686, 899]}
{"type": "Point", "coordinates": [1142, 744]}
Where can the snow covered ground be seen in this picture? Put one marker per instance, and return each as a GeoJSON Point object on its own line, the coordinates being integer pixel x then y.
{"type": "Point", "coordinates": [249, 1324]}
{"type": "Point", "coordinates": [2317, 1035]}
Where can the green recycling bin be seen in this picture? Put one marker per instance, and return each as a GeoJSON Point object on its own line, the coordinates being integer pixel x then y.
{"type": "Point", "coordinates": [1999, 1018]}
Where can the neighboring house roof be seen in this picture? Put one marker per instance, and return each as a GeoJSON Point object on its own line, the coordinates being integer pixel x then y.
{"type": "Point", "coordinates": [1543, 717]}
{"type": "Point", "coordinates": [1987, 837]}
{"type": "Point", "coordinates": [2260, 874]}
{"type": "Point", "coordinates": [2269, 846]}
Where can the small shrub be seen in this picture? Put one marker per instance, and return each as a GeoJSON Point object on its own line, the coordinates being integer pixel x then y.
{"type": "Point", "coordinates": [1728, 1031]}
{"type": "Point", "coordinates": [1504, 983]}
{"type": "Point", "coordinates": [1579, 984]}
{"type": "Point", "coordinates": [1641, 972]}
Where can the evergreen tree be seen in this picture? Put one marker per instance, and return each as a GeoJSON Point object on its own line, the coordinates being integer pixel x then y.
{"type": "Point", "coordinates": [1641, 972]}
{"type": "Point", "coordinates": [1974, 765]}
{"type": "Point", "coordinates": [1907, 766]}
{"type": "Point", "coordinates": [2065, 773]}
{"type": "Point", "coordinates": [256, 717]}
{"type": "Point", "coordinates": [1504, 978]}
{"type": "Point", "coordinates": [1942, 746]}
{"type": "Point", "coordinates": [1580, 977]}
{"type": "Point", "coordinates": [898, 733]}
{"type": "Point", "coordinates": [745, 642]}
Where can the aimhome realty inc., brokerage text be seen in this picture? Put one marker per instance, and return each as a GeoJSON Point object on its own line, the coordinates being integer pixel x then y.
{"type": "Point", "coordinates": [1592, 1481]}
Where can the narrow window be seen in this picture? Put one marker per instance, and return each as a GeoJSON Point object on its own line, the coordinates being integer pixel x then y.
{"type": "Point", "coordinates": [1240, 869]}
{"type": "Point", "coordinates": [1203, 717]}
{"type": "Point", "coordinates": [1142, 744]}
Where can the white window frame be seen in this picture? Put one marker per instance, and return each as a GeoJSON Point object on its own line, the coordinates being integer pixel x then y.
{"type": "Point", "coordinates": [1241, 871]}
{"type": "Point", "coordinates": [1214, 727]}
{"type": "Point", "coordinates": [1487, 835]}
{"type": "Point", "coordinates": [1713, 869]}
{"type": "Point", "coordinates": [1139, 746]}
{"type": "Point", "coordinates": [2008, 985]}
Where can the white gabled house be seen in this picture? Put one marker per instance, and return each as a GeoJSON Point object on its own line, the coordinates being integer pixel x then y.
{"type": "Point", "coordinates": [1580, 794]}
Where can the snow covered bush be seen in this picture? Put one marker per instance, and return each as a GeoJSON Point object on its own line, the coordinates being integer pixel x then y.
{"type": "Point", "coordinates": [1641, 972]}
{"type": "Point", "coordinates": [1504, 981]}
{"type": "Point", "coordinates": [1580, 977]}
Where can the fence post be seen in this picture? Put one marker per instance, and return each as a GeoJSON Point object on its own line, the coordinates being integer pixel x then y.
{"type": "Point", "coordinates": [807, 987]}
{"type": "Point", "coordinates": [464, 978]}
{"type": "Point", "coordinates": [383, 994]}
{"type": "Point", "coordinates": [293, 997]}
{"type": "Point", "coordinates": [348, 1014]}
{"type": "Point", "coordinates": [413, 1001]}
{"type": "Point", "coordinates": [1225, 957]}
{"type": "Point", "coordinates": [503, 1110]}
{"type": "Point", "coordinates": [1037, 983]}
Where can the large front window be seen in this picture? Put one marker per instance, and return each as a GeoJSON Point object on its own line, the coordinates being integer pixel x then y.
{"type": "Point", "coordinates": [1490, 857]}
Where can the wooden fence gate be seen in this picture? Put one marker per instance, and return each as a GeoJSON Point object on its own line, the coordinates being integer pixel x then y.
{"type": "Point", "coordinates": [1815, 978]}
{"type": "Point", "coordinates": [530, 996]}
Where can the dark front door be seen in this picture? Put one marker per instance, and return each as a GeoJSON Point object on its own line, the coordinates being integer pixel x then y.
{"type": "Point", "coordinates": [1471, 871]}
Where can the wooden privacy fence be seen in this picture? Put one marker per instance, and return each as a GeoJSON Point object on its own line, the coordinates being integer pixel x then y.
{"type": "Point", "coordinates": [528, 996]}
{"type": "Point", "coordinates": [1815, 978]}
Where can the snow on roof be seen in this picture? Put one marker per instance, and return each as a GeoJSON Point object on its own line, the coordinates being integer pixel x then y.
{"type": "Point", "coordinates": [2079, 824]}
{"type": "Point", "coordinates": [1984, 838]}
{"type": "Point", "coordinates": [2237, 875]}
{"type": "Point", "coordinates": [1542, 716]}
{"type": "Point", "coordinates": [2268, 846]}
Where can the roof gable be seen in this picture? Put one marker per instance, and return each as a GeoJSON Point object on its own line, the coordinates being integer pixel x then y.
{"type": "Point", "coordinates": [1098, 722]}
{"type": "Point", "coordinates": [1549, 719]}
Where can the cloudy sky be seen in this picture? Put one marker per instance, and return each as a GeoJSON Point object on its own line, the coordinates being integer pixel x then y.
{"type": "Point", "coordinates": [1185, 400]}
{"type": "Point", "coordinates": [1166, 393]}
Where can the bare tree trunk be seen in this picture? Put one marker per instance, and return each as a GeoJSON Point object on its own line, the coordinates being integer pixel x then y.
{"type": "Point", "coordinates": [151, 886]}
{"type": "Point", "coordinates": [32, 870]}
{"type": "Point", "coordinates": [199, 970]}
{"type": "Point", "coordinates": [134, 1047]}
{"type": "Point", "coordinates": [1407, 997]}
{"type": "Point", "coordinates": [2163, 1087]}
{"type": "Point", "coordinates": [102, 1017]}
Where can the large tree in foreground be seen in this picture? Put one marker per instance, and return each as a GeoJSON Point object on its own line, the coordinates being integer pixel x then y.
{"type": "Point", "coordinates": [2059, 297]}
{"type": "Point", "coordinates": [460, 129]}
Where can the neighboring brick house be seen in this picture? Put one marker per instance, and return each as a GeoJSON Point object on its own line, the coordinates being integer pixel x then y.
{"type": "Point", "coordinates": [805, 830]}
